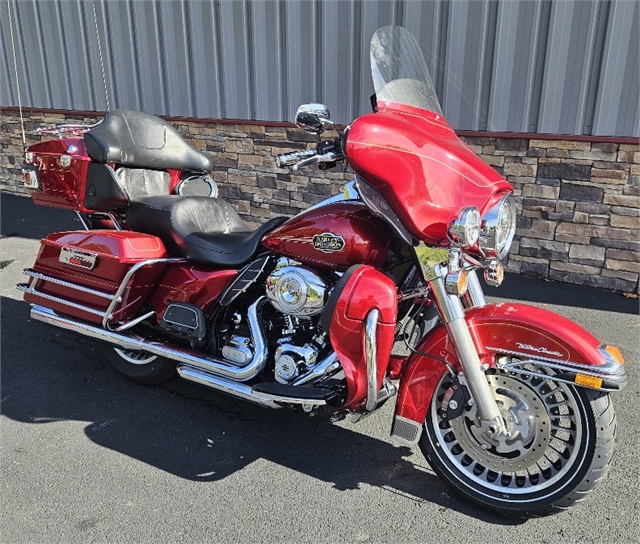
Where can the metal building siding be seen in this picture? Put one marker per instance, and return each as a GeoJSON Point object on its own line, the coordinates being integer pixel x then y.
{"type": "Point", "coordinates": [617, 109]}
{"type": "Point", "coordinates": [562, 66]}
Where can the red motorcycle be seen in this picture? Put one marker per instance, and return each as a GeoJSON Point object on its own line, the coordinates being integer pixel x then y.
{"type": "Point", "coordinates": [370, 294]}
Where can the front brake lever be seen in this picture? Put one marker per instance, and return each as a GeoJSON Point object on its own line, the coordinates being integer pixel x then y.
{"type": "Point", "coordinates": [305, 162]}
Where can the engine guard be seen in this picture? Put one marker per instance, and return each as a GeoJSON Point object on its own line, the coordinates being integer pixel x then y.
{"type": "Point", "coordinates": [527, 333]}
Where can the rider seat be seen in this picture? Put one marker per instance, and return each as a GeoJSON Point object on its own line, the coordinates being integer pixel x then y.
{"type": "Point", "coordinates": [202, 229]}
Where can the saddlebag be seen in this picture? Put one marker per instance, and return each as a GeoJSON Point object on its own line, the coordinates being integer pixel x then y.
{"type": "Point", "coordinates": [89, 274]}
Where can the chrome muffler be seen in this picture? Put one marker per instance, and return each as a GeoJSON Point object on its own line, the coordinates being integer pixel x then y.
{"type": "Point", "coordinates": [235, 389]}
{"type": "Point", "coordinates": [210, 365]}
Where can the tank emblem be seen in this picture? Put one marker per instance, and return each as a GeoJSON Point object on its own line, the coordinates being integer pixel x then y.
{"type": "Point", "coordinates": [328, 242]}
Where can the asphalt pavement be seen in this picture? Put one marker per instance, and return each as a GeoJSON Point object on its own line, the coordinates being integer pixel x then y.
{"type": "Point", "coordinates": [86, 456]}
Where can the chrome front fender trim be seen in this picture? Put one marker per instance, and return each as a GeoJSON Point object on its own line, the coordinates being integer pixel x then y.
{"type": "Point", "coordinates": [611, 376]}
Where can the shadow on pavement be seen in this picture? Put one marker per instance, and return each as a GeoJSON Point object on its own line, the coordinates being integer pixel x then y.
{"type": "Point", "coordinates": [189, 431]}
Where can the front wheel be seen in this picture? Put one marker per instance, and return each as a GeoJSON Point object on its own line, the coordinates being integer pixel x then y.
{"type": "Point", "coordinates": [560, 443]}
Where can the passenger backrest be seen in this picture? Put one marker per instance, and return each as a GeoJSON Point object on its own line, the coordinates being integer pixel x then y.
{"type": "Point", "coordinates": [137, 139]}
{"type": "Point", "coordinates": [142, 147]}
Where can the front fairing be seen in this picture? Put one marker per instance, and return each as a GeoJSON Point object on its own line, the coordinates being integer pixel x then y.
{"type": "Point", "coordinates": [425, 172]}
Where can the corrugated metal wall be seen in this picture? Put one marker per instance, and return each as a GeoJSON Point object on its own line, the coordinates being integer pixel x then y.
{"type": "Point", "coordinates": [562, 67]}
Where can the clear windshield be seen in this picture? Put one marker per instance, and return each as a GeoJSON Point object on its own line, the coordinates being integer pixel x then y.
{"type": "Point", "coordinates": [399, 71]}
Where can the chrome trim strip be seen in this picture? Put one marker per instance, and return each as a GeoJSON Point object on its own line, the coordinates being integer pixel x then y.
{"type": "Point", "coordinates": [175, 353]}
{"type": "Point", "coordinates": [609, 368]}
{"type": "Point", "coordinates": [234, 389]}
{"type": "Point", "coordinates": [600, 371]}
{"type": "Point", "coordinates": [24, 287]}
{"type": "Point", "coordinates": [620, 379]}
{"type": "Point", "coordinates": [38, 276]}
{"type": "Point", "coordinates": [371, 358]}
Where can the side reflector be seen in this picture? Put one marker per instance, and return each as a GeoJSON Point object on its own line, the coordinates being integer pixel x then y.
{"type": "Point", "coordinates": [588, 381]}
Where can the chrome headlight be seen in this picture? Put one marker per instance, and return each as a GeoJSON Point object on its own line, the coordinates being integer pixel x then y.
{"type": "Point", "coordinates": [498, 229]}
{"type": "Point", "coordinates": [466, 229]}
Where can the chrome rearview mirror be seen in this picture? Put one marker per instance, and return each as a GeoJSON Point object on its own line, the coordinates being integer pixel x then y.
{"type": "Point", "coordinates": [313, 118]}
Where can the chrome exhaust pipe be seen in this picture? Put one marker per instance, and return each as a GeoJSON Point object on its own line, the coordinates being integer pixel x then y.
{"type": "Point", "coordinates": [129, 341]}
{"type": "Point", "coordinates": [234, 389]}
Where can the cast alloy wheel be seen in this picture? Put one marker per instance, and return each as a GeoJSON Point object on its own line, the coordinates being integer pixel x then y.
{"type": "Point", "coordinates": [559, 443]}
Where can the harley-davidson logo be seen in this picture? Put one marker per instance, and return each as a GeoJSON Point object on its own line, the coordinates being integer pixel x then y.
{"type": "Point", "coordinates": [75, 257]}
{"type": "Point", "coordinates": [537, 349]}
{"type": "Point", "coordinates": [328, 242]}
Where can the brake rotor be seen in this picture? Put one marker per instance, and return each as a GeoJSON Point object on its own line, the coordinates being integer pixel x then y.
{"type": "Point", "coordinates": [527, 422]}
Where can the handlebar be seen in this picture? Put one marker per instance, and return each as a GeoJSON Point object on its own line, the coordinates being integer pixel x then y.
{"type": "Point", "coordinates": [327, 153]}
{"type": "Point", "coordinates": [287, 159]}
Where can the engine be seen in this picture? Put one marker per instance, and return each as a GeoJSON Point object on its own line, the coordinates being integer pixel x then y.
{"type": "Point", "coordinates": [299, 295]}
{"type": "Point", "coordinates": [290, 321]}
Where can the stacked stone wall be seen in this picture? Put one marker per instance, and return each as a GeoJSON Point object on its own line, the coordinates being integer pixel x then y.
{"type": "Point", "coordinates": [578, 201]}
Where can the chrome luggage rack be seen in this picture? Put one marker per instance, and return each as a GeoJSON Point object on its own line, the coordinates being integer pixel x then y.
{"type": "Point", "coordinates": [114, 299]}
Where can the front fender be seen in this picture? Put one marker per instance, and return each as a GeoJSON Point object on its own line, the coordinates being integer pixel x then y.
{"type": "Point", "coordinates": [527, 332]}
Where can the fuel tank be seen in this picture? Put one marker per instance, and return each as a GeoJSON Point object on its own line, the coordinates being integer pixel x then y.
{"type": "Point", "coordinates": [335, 236]}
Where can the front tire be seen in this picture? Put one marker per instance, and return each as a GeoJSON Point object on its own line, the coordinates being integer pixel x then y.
{"type": "Point", "coordinates": [560, 445]}
{"type": "Point", "coordinates": [139, 366]}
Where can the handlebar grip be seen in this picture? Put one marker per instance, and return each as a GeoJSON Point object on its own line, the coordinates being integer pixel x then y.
{"type": "Point", "coordinates": [287, 159]}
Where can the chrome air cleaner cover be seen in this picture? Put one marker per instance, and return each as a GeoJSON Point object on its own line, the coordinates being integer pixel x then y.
{"type": "Point", "coordinates": [295, 290]}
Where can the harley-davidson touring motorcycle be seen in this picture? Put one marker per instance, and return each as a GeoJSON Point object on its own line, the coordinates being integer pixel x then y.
{"type": "Point", "coordinates": [368, 295]}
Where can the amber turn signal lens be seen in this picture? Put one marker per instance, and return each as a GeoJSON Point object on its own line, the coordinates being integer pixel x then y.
{"type": "Point", "coordinates": [615, 353]}
{"type": "Point", "coordinates": [456, 282]}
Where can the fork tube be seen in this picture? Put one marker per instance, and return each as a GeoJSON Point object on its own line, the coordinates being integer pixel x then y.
{"type": "Point", "coordinates": [452, 314]}
{"type": "Point", "coordinates": [474, 296]}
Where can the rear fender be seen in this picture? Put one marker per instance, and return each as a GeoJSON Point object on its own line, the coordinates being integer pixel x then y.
{"type": "Point", "coordinates": [527, 332]}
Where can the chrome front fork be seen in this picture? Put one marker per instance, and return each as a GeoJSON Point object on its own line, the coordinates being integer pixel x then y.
{"type": "Point", "coordinates": [452, 315]}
